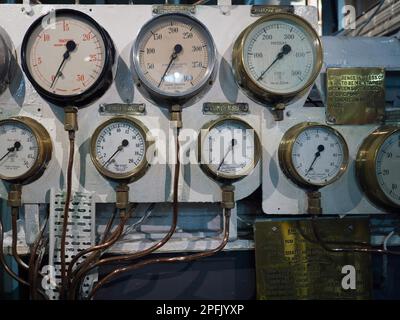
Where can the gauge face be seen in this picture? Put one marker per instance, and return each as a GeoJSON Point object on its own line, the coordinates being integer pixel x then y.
{"type": "Point", "coordinates": [174, 56]}
{"type": "Point", "coordinates": [26, 149]}
{"type": "Point", "coordinates": [230, 149]}
{"type": "Point", "coordinates": [279, 54]}
{"type": "Point", "coordinates": [66, 58]}
{"type": "Point", "coordinates": [119, 148]}
{"type": "Point", "coordinates": [313, 155]}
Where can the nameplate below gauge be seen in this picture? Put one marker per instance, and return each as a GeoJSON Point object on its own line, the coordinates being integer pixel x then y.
{"type": "Point", "coordinates": [355, 96]}
{"type": "Point", "coordinates": [289, 267]}
{"type": "Point", "coordinates": [171, 8]}
{"type": "Point", "coordinates": [225, 108]}
{"type": "Point", "coordinates": [262, 10]}
{"type": "Point", "coordinates": [122, 109]}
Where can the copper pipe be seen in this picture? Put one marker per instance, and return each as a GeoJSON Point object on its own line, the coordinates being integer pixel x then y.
{"type": "Point", "coordinates": [14, 244]}
{"type": "Point", "coordinates": [36, 268]}
{"type": "Point", "coordinates": [188, 258]}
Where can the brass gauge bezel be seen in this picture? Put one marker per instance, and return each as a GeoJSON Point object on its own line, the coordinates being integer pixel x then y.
{"type": "Point", "coordinates": [366, 167]}
{"type": "Point", "coordinates": [251, 87]}
{"type": "Point", "coordinates": [44, 152]}
{"type": "Point", "coordinates": [207, 167]}
{"type": "Point", "coordinates": [286, 149]}
{"type": "Point", "coordinates": [141, 169]}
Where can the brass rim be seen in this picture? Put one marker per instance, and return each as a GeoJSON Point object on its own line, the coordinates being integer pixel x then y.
{"type": "Point", "coordinates": [141, 169]}
{"type": "Point", "coordinates": [242, 74]}
{"type": "Point", "coordinates": [207, 167]}
{"type": "Point", "coordinates": [366, 167]}
{"type": "Point", "coordinates": [45, 149]}
{"type": "Point", "coordinates": [285, 155]}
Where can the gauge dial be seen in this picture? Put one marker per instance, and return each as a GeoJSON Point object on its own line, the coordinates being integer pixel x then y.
{"type": "Point", "coordinates": [378, 163]}
{"type": "Point", "coordinates": [119, 148]}
{"type": "Point", "coordinates": [313, 155]}
{"type": "Point", "coordinates": [277, 58]}
{"type": "Point", "coordinates": [26, 149]}
{"type": "Point", "coordinates": [229, 149]}
{"type": "Point", "coordinates": [174, 56]}
{"type": "Point", "coordinates": [69, 61]}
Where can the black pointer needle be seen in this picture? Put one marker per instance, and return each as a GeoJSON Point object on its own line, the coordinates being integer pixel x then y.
{"type": "Point", "coordinates": [71, 45]}
{"type": "Point", "coordinates": [124, 144]}
{"type": "Point", "coordinates": [233, 143]}
{"type": "Point", "coordinates": [177, 49]}
{"type": "Point", "coordinates": [321, 149]}
{"type": "Point", "coordinates": [16, 146]}
{"type": "Point", "coordinates": [286, 49]}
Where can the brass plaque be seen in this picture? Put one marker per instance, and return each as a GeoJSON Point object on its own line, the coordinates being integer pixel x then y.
{"type": "Point", "coordinates": [225, 108]}
{"type": "Point", "coordinates": [355, 96]}
{"type": "Point", "coordinates": [113, 109]}
{"type": "Point", "coordinates": [173, 8]}
{"type": "Point", "coordinates": [262, 10]}
{"type": "Point", "coordinates": [290, 267]}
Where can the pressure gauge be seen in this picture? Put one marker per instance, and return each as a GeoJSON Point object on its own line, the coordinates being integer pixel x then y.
{"type": "Point", "coordinates": [26, 149]}
{"type": "Point", "coordinates": [229, 149]}
{"type": "Point", "coordinates": [277, 58]}
{"type": "Point", "coordinates": [119, 148]}
{"type": "Point", "coordinates": [313, 155]}
{"type": "Point", "coordinates": [378, 164]}
{"type": "Point", "coordinates": [68, 57]}
{"type": "Point", "coordinates": [7, 60]}
{"type": "Point", "coordinates": [174, 57]}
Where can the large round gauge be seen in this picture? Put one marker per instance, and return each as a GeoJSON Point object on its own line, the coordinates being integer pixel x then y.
{"type": "Point", "coordinates": [229, 149]}
{"type": "Point", "coordinates": [378, 164]}
{"type": "Point", "coordinates": [7, 60]}
{"type": "Point", "coordinates": [313, 155]}
{"type": "Point", "coordinates": [174, 57]}
{"type": "Point", "coordinates": [26, 149]}
{"type": "Point", "coordinates": [119, 148]}
{"type": "Point", "coordinates": [277, 58]}
{"type": "Point", "coordinates": [68, 57]}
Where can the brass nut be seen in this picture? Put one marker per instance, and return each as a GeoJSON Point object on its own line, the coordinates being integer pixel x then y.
{"type": "Point", "coordinates": [228, 197]}
{"type": "Point", "coordinates": [122, 196]}
{"type": "Point", "coordinates": [71, 119]}
{"type": "Point", "coordinates": [14, 196]}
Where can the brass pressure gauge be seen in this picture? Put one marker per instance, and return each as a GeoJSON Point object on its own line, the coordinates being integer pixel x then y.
{"type": "Point", "coordinates": [119, 149]}
{"type": "Point", "coordinates": [26, 149]}
{"type": "Point", "coordinates": [277, 58]}
{"type": "Point", "coordinates": [378, 167]}
{"type": "Point", "coordinates": [313, 155]}
{"type": "Point", "coordinates": [229, 149]}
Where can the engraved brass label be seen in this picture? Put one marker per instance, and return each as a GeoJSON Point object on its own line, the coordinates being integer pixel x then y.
{"type": "Point", "coordinates": [225, 108]}
{"type": "Point", "coordinates": [262, 10]}
{"type": "Point", "coordinates": [172, 8]}
{"type": "Point", "coordinates": [355, 96]}
{"type": "Point", "coordinates": [122, 109]}
{"type": "Point", "coordinates": [290, 264]}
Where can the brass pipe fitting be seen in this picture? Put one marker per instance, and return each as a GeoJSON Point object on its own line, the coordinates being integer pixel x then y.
{"type": "Point", "coordinates": [228, 197]}
{"type": "Point", "coordinates": [314, 203]}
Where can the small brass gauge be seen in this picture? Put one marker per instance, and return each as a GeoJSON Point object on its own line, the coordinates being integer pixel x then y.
{"type": "Point", "coordinates": [27, 149]}
{"type": "Point", "coordinates": [277, 58]}
{"type": "Point", "coordinates": [378, 167]}
{"type": "Point", "coordinates": [119, 148]}
{"type": "Point", "coordinates": [313, 155]}
{"type": "Point", "coordinates": [229, 149]}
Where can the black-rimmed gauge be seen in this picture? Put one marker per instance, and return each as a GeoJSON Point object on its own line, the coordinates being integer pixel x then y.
{"type": "Point", "coordinates": [68, 57]}
{"type": "Point", "coordinates": [313, 155]}
{"type": "Point", "coordinates": [174, 57]}
{"type": "Point", "coordinates": [378, 164]}
{"type": "Point", "coordinates": [229, 149]}
{"type": "Point", "coordinates": [7, 60]}
{"type": "Point", "coordinates": [25, 149]}
{"type": "Point", "coordinates": [119, 148]}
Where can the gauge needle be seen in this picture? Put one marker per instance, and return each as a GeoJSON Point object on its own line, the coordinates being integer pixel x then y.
{"type": "Point", "coordinates": [124, 144]}
{"type": "Point", "coordinates": [286, 49]}
{"type": "Point", "coordinates": [71, 46]}
{"type": "Point", "coordinates": [321, 149]}
{"type": "Point", "coordinates": [16, 147]}
{"type": "Point", "coordinates": [177, 49]}
{"type": "Point", "coordinates": [233, 143]}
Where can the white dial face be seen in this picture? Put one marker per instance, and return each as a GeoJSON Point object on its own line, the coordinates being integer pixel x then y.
{"type": "Point", "coordinates": [174, 55]}
{"type": "Point", "coordinates": [387, 167]}
{"type": "Point", "coordinates": [19, 150]}
{"type": "Point", "coordinates": [280, 56]}
{"type": "Point", "coordinates": [65, 58]}
{"type": "Point", "coordinates": [120, 147]}
{"type": "Point", "coordinates": [318, 155]}
{"type": "Point", "coordinates": [229, 149]}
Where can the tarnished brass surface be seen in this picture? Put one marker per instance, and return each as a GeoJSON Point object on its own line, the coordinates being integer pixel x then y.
{"type": "Point", "coordinates": [290, 267]}
{"type": "Point", "coordinates": [172, 8]}
{"type": "Point", "coordinates": [225, 108]}
{"type": "Point", "coordinates": [355, 96]}
{"type": "Point", "coordinates": [260, 10]}
{"type": "Point", "coordinates": [114, 109]}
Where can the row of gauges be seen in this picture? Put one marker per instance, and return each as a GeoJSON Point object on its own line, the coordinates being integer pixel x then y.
{"type": "Point", "coordinates": [311, 155]}
{"type": "Point", "coordinates": [70, 62]}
